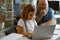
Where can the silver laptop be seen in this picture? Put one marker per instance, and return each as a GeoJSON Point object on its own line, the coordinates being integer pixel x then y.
{"type": "Point", "coordinates": [43, 32]}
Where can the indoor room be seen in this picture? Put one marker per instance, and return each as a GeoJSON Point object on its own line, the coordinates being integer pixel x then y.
{"type": "Point", "coordinates": [29, 19]}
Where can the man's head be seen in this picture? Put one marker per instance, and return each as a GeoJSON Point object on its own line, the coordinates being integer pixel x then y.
{"type": "Point", "coordinates": [42, 7]}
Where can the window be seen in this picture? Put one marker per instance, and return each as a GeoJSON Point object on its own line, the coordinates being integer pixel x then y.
{"type": "Point", "coordinates": [6, 10]}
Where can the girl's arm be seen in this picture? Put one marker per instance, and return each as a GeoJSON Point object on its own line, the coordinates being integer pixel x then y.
{"type": "Point", "coordinates": [20, 31]}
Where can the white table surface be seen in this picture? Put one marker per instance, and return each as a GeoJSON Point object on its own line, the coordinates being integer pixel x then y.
{"type": "Point", "coordinates": [12, 36]}
{"type": "Point", "coordinates": [15, 36]}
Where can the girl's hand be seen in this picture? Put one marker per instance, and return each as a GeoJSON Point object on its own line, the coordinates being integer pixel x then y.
{"type": "Point", "coordinates": [27, 34]}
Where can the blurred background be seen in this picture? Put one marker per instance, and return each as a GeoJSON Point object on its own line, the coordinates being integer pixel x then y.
{"type": "Point", "coordinates": [10, 11]}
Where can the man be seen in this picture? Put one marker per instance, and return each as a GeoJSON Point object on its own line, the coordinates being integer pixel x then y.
{"type": "Point", "coordinates": [44, 13]}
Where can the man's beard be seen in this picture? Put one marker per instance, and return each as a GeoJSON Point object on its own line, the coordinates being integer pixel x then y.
{"type": "Point", "coordinates": [42, 12]}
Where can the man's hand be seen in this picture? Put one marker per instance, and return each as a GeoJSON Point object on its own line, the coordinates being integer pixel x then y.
{"type": "Point", "coordinates": [43, 12]}
{"type": "Point", "coordinates": [50, 22]}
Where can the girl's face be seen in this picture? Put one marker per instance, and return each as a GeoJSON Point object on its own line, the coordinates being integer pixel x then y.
{"type": "Point", "coordinates": [30, 15]}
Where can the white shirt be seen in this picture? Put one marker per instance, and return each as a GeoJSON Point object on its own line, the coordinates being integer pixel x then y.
{"type": "Point", "coordinates": [29, 23]}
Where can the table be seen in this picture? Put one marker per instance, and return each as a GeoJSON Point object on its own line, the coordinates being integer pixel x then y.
{"type": "Point", "coordinates": [14, 36]}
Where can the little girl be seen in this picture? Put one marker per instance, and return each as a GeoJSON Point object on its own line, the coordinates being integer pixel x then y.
{"type": "Point", "coordinates": [27, 22]}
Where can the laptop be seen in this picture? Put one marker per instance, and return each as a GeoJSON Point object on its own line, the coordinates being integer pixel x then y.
{"type": "Point", "coordinates": [43, 32]}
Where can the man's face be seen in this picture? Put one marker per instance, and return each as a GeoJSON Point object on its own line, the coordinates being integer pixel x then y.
{"type": "Point", "coordinates": [42, 7]}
